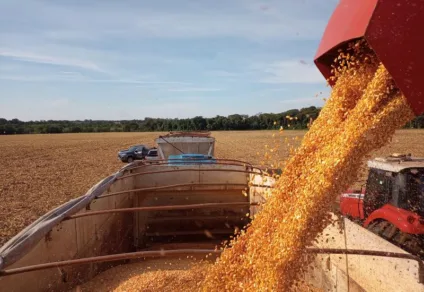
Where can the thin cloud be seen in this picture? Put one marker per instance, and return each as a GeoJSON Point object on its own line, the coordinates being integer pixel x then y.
{"type": "Point", "coordinates": [70, 73]}
{"type": "Point", "coordinates": [222, 73]}
{"type": "Point", "coordinates": [194, 89]}
{"type": "Point", "coordinates": [97, 20]}
{"type": "Point", "coordinates": [77, 77]}
{"type": "Point", "coordinates": [291, 71]}
{"type": "Point", "coordinates": [51, 60]}
{"type": "Point", "coordinates": [139, 82]}
{"type": "Point", "coordinates": [57, 103]}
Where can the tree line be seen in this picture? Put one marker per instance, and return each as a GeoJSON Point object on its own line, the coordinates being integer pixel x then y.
{"type": "Point", "coordinates": [292, 119]}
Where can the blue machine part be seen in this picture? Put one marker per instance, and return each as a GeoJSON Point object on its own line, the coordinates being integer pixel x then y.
{"type": "Point", "coordinates": [186, 159]}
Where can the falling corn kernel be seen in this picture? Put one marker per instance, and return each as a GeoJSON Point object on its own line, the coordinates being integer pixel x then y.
{"type": "Point", "coordinates": [208, 233]}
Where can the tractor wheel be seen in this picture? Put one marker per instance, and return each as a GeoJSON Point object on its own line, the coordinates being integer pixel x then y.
{"type": "Point", "coordinates": [390, 232]}
{"type": "Point", "coordinates": [371, 226]}
{"type": "Point", "coordinates": [378, 227]}
{"type": "Point", "coordinates": [410, 242]}
{"type": "Point", "coordinates": [385, 230]}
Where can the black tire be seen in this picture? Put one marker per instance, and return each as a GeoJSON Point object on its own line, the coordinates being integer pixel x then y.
{"type": "Point", "coordinates": [408, 242]}
{"type": "Point", "coordinates": [130, 159]}
{"type": "Point", "coordinates": [411, 243]}
{"type": "Point", "coordinates": [379, 227]}
{"type": "Point", "coordinates": [373, 227]}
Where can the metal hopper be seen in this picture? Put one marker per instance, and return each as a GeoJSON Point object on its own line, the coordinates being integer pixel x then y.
{"type": "Point", "coordinates": [393, 29]}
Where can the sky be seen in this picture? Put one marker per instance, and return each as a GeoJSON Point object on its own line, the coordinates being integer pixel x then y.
{"type": "Point", "coordinates": [131, 59]}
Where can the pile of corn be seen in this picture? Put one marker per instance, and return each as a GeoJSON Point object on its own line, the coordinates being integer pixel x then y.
{"type": "Point", "coordinates": [164, 274]}
{"type": "Point", "coordinates": [362, 114]}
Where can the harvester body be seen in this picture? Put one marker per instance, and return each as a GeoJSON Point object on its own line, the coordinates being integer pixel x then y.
{"type": "Point", "coordinates": [393, 30]}
{"type": "Point", "coordinates": [392, 204]}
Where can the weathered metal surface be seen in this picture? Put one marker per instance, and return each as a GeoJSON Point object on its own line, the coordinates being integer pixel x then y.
{"type": "Point", "coordinates": [259, 190]}
{"type": "Point", "coordinates": [340, 272]}
{"type": "Point", "coordinates": [73, 239]}
{"type": "Point", "coordinates": [109, 258]}
{"type": "Point", "coordinates": [119, 232]}
{"type": "Point", "coordinates": [193, 185]}
{"type": "Point", "coordinates": [185, 144]}
{"type": "Point", "coordinates": [178, 188]}
{"type": "Point", "coordinates": [236, 162]}
{"type": "Point", "coordinates": [160, 208]}
{"type": "Point", "coordinates": [190, 169]}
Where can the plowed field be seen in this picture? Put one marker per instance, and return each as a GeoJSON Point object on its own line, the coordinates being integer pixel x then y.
{"type": "Point", "coordinates": [40, 172]}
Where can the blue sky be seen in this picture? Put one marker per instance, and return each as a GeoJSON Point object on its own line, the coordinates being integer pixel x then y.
{"type": "Point", "coordinates": [109, 59]}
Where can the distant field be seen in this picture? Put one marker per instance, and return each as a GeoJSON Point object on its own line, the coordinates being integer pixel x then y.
{"type": "Point", "coordinates": [40, 172]}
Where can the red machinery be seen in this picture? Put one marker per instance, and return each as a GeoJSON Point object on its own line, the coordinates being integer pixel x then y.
{"type": "Point", "coordinates": [392, 204]}
{"type": "Point", "coordinates": [393, 29]}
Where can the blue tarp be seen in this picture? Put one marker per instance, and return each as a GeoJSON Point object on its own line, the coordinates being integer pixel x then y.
{"type": "Point", "coordinates": [189, 159]}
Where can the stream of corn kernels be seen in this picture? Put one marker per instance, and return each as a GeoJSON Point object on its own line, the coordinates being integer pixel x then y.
{"type": "Point", "coordinates": [362, 115]}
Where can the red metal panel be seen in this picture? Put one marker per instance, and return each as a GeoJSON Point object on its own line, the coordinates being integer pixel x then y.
{"type": "Point", "coordinates": [397, 217]}
{"type": "Point", "coordinates": [348, 22]}
{"type": "Point", "coordinates": [352, 207]}
{"type": "Point", "coordinates": [395, 33]}
{"type": "Point", "coordinates": [393, 28]}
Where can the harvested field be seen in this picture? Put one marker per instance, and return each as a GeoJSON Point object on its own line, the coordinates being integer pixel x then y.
{"type": "Point", "coordinates": [40, 172]}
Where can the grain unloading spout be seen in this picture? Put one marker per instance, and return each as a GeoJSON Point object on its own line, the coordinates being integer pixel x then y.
{"type": "Point", "coordinates": [394, 31]}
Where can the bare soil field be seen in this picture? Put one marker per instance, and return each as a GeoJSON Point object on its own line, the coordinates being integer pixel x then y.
{"type": "Point", "coordinates": [40, 172]}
